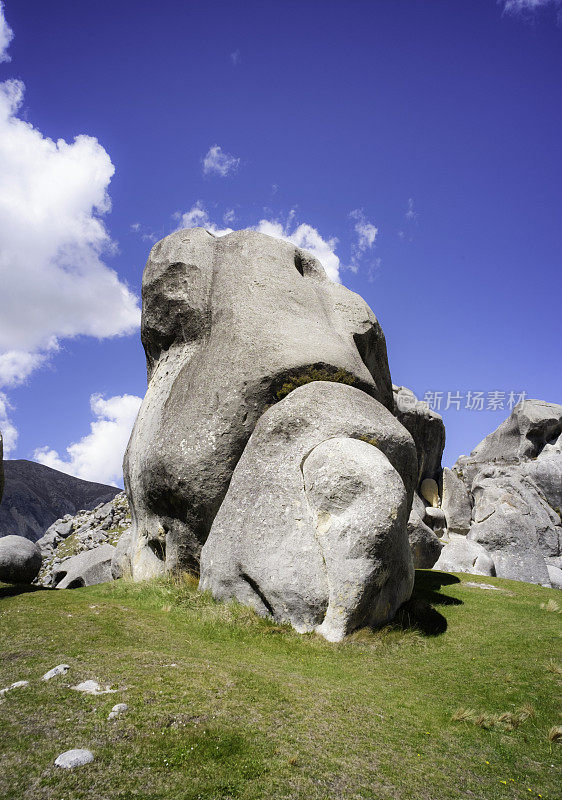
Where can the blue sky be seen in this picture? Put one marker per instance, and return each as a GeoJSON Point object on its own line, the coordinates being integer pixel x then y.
{"type": "Point", "coordinates": [415, 146]}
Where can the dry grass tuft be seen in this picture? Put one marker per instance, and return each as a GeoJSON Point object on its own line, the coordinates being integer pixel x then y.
{"type": "Point", "coordinates": [555, 734]}
{"type": "Point", "coordinates": [552, 605]}
{"type": "Point", "coordinates": [507, 721]}
{"type": "Point", "coordinates": [554, 667]}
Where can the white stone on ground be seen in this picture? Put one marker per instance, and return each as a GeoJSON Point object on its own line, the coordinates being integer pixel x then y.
{"type": "Point", "coordinates": [60, 669]}
{"type": "Point", "coordinates": [74, 758]}
{"type": "Point", "coordinates": [483, 586]}
{"type": "Point", "coordinates": [16, 685]}
{"type": "Point", "coordinates": [92, 687]}
{"type": "Point", "coordinates": [120, 708]}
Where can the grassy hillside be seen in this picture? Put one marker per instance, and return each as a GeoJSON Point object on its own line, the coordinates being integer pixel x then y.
{"type": "Point", "coordinates": [457, 701]}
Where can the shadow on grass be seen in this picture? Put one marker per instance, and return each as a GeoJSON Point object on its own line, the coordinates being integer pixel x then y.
{"type": "Point", "coordinates": [419, 612]}
{"type": "Point", "coordinates": [12, 590]}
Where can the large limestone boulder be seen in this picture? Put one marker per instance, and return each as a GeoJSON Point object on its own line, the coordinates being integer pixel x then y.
{"type": "Point", "coordinates": [312, 530]}
{"type": "Point", "coordinates": [20, 560]}
{"type": "Point", "coordinates": [85, 569]}
{"type": "Point", "coordinates": [514, 483]}
{"type": "Point", "coordinates": [229, 325]}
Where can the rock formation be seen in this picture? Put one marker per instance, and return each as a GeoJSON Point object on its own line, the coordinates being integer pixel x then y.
{"type": "Point", "coordinates": [427, 429]}
{"type": "Point", "coordinates": [313, 526]}
{"type": "Point", "coordinates": [85, 569]}
{"type": "Point", "coordinates": [20, 560]}
{"type": "Point", "coordinates": [226, 324]}
{"type": "Point", "coordinates": [428, 432]}
{"type": "Point", "coordinates": [230, 327]}
{"type": "Point", "coordinates": [35, 496]}
{"type": "Point", "coordinates": [512, 483]}
{"type": "Point", "coordinates": [87, 530]}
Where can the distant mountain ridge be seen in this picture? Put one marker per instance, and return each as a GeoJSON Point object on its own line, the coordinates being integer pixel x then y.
{"type": "Point", "coordinates": [35, 496]}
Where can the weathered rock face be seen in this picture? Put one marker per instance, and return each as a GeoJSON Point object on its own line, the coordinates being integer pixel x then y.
{"type": "Point", "coordinates": [226, 323]}
{"type": "Point", "coordinates": [456, 503]}
{"type": "Point", "coordinates": [313, 527]}
{"type": "Point", "coordinates": [20, 560]}
{"type": "Point", "coordinates": [427, 430]}
{"type": "Point", "coordinates": [86, 569]}
{"type": "Point", "coordinates": [514, 482]}
{"type": "Point", "coordinates": [424, 543]}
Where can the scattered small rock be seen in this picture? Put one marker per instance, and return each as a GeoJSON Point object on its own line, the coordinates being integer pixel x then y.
{"type": "Point", "coordinates": [16, 685]}
{"type": "Point", "coordinates": [120, 708]}
{"type": "Point", "coordinates": [483, 586]}
{"type": "Point", "coordinates": [74, 758]}
{"type": "Point", "coordinates": [92, 687]}
{"type": "Point", "coordinates": [60, 669]}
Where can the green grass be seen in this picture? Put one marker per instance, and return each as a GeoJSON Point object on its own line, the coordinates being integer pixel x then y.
{"type": "Point", "coordinates": [314, 374]}
{"type": "Point", "coordinates": [223, 704]}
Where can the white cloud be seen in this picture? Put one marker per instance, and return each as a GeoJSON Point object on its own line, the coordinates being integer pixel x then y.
{"type": "Point", "coordinates": [527, 7]}
{"type": "Point", "coordinates": [366, 231]}
{"type": "Point", "coordinates": [6, 35]}
{"type": "Point", "coordinates": [217, 162]}
{"type": "Point", "coordinates": [235, 58]}
{"type": "Point", "coordinates": [229, 216]}
{"type": "Point", "coordinates": [411, 215]}
{"type": "Point", "coordinates": [98, 456]}
{"type": "Point", "coordinates": [366, 234]}
{"type": "Point", "coordinates": [17, 365]}
{"type": "Point", "coordinates": [9, 430]}
{"type": "Point", "coordinates": [51, 241]}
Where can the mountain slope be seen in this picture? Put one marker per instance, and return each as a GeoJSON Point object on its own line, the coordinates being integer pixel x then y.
{"type": "Point", "coordinates": [35, 496]}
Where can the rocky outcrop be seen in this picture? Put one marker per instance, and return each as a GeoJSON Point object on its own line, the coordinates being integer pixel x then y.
{"type": "Point", "coordinates": [427, 430]}
{"type": "Point", "coordinates": [313, 527]}
{"type": "Point", "coordinates": [20, 560]}
{"type": "Point", "coordinates": [86, 569]}
{"type": "Point", "coordinates": [513, 481]}
{"type": "Point", "coordinates": [229, 325]}
{"type": "Point", "coordinates": [87, 530]}
{"type": "Point", "coordinates": [269, 393]}
{"type": "Point", "coordinates": [35, 496]}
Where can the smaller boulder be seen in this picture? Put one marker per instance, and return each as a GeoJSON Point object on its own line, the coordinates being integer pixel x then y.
{"type": "Point", "coordinates": [61, 669]}
{"type": "Point", "coordinates": [20, 560]}
{"type": "Point", "coordinates": [456, 503]}
{"type": "Point", "coordinates": [85, 569]}
{"type": "Point", "coordinates": [117, 710]}
{"type": "Point", "coordinates": [74, 758]}
{"type": "Point", "coordinates": [424, 544]}
{"type": "Point", "coordinates": [16, 685]}
{"type": "Point", "coordinates": [435, 519]}
{"type": "Point", "coordinates": [430, 492]}
{"type": "Point", "coordinates": [462, 555]}
{"type": "Point", "coordinates": [93, 687]}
